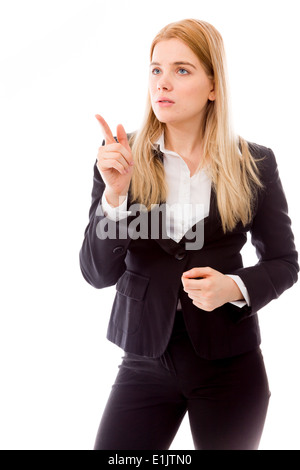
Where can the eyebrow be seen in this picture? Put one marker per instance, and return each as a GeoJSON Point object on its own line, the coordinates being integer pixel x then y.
{"type": "Point", "coordinates": [180, 62]}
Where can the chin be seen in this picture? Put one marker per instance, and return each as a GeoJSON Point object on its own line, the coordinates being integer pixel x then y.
{"type": "Point", "coordinates": [161, 117]}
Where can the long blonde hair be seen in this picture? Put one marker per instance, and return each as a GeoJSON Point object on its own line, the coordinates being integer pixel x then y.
{"type": "Point", "coordinates": [233, 170]}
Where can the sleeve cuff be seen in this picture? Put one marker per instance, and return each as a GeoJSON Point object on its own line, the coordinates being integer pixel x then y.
{"type": "Point", "coordinates": [243, 289]}
{"type": "Point", "coordinates": [115, 213]}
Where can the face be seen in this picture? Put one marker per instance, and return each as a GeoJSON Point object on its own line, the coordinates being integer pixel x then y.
{"type": "Point", "coordinates": [178, 84]}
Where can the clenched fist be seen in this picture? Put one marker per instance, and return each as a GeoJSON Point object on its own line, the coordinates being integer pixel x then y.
{"type": "Point", "coordinates": [209, 288]}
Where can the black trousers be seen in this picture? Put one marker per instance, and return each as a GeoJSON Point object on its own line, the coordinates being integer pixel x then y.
{"type": "Point", "coordinates": [226, 400]}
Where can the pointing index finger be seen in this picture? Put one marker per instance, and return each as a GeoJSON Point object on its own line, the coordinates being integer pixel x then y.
{"type": "Point", "coordinates": [109, 138]}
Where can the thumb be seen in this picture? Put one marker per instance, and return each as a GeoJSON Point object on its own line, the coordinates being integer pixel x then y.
{"type": "Point", "coordinates": [122, 137]}
{"type": "Point", "coordinates": [198, 272]}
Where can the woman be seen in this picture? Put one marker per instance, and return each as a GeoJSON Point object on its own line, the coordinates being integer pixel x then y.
{"type": "Point", "coordinates": [171, 209]}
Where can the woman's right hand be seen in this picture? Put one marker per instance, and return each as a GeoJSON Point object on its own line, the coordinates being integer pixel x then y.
{"type": "Point", "coordinates": [115, 163]}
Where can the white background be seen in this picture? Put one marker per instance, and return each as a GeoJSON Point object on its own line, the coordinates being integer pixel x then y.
{"type": "Point", "coordinates": [63, 61]}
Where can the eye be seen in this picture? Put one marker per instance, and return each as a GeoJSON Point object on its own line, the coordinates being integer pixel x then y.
{"type": "Point", "coordinates": [183, 72]}
{"type": "Point", "coordinates": [155, 71]}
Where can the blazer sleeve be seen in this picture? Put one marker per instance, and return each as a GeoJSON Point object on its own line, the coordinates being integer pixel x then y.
{"type": "Point", "coordinates": [271, 234]}
{"type": "Point", "coordinates": [105, 242]}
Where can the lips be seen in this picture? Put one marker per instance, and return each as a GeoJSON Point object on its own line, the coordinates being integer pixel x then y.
{"type": "Point", "coordinates": [164, 100]}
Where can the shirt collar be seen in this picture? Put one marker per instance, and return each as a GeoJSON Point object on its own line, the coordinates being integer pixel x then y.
{"type": "Point", "coordinates": [161, 143]}
{"type": "Point", "coordinates": [161, 147]}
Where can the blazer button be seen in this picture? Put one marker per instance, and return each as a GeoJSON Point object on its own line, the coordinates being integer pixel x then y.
{"type": "Point", "coordinates": [180, 256]}
{"type": "Point", "coordinates": [118, 250]}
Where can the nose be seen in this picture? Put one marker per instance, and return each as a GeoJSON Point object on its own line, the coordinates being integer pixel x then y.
{"type": "Point", "coordinates": [162, 86]}
{"type": "Point", "coordinates": [164, 83]}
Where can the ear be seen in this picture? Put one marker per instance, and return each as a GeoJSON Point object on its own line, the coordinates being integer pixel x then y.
{"type": "Point", "coordinates": [212, 94]}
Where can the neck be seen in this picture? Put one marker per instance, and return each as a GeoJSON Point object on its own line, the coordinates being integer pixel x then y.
{"type": "Point", "coordinates": [184, 140]}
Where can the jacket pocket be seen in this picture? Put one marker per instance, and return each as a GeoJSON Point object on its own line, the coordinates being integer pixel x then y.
{"type": "Point", "coordinates": [129, 301]}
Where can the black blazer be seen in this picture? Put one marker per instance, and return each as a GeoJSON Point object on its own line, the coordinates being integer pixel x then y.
{"type": "Point", "coordinates": [147, 272]}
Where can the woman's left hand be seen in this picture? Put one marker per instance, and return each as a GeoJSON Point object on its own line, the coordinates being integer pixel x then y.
{"type": "Point", "coordinates": [212, 290]}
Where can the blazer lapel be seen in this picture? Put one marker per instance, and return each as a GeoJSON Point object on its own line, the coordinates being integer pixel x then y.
{"type": "Point", "coordinates": [207, 226]}
{"type": "Point", "coordinates": [195, 238]}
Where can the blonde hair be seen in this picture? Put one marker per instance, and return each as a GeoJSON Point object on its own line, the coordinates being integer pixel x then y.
{"type": "Point", "coordinates": [233, 170]}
